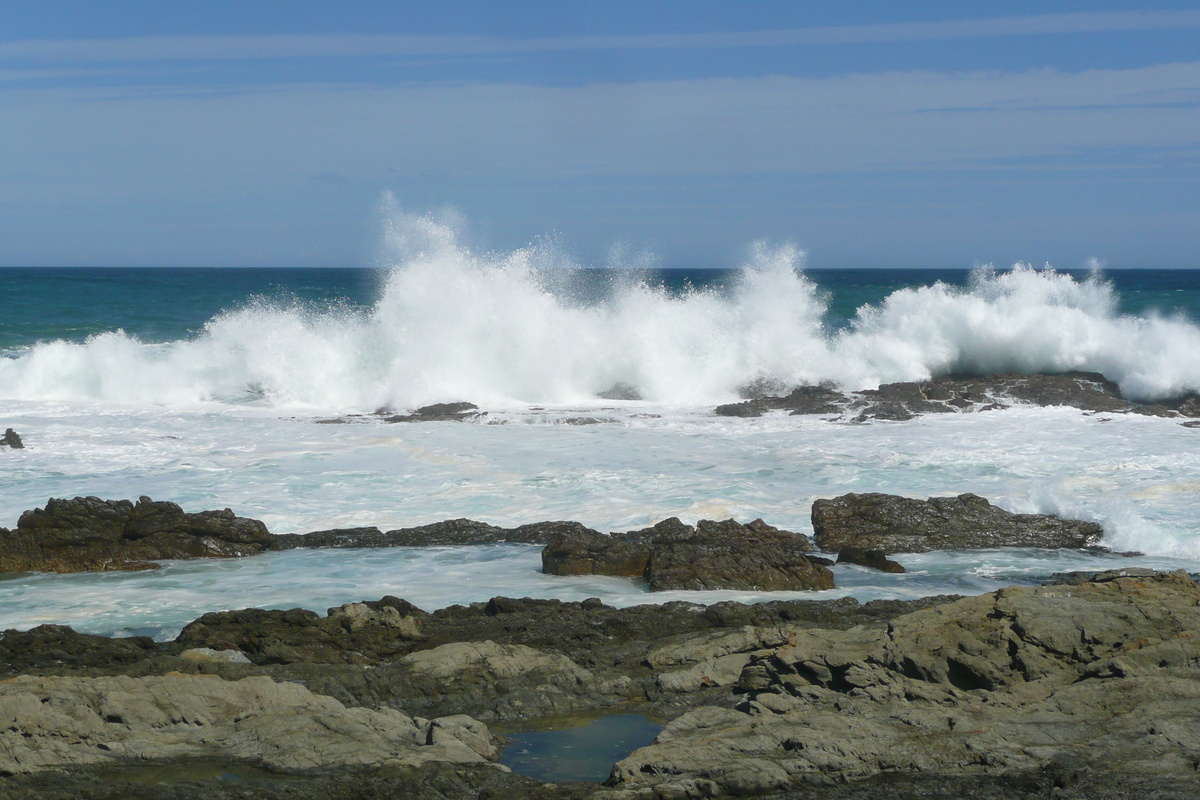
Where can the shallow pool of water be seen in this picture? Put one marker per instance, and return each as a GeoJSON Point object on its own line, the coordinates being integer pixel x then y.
{"type": "Point", "coordinates": [579, 753]}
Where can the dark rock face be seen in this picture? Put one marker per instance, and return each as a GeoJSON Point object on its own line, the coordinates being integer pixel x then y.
{"type": "Point", "coordinates": [1089, 391]}
{"type": "Point", "coordinates": [620, 391]}
{"type": "Point", "coordinates": [447, 532]}
{"type": "Point", "coordinates": [438, 412]}
{"type": "Point", "coordinates": [87, 533]}
{"type": "Point", "coordinates": [713, 555]}
{"type": "Point", "coordinates": [11, 439]}
{"type": "Point", "coordinates": [873, 559]}
{"type": "Point", "coordinates": [892, 524]}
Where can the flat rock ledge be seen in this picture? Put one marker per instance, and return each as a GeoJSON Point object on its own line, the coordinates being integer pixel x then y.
{"type": "Point", "coordinates": [62, 721]}
{"type": "Point", "coordinates": [1085, 688]}
{"type": "Point", "coordinates": [892, 524]}
{"type": "Point", "coordinates": [1060, 681]}
{"type": "Point", "coordinates": [1089, 391]}
{"type": "Point", "coordinates": [90, 534]}
{"type": "Point", "coordinates": [711, 555]}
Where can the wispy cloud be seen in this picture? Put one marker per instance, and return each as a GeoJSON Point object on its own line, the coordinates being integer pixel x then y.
{"type": "Point", "coordinates": [175, 48]}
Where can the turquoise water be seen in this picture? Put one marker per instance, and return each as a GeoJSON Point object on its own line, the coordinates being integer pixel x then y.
{"type": "Point", "coordinates": [164, 304]}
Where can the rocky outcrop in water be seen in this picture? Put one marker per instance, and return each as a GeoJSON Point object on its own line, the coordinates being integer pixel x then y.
{"type": "Point", "coordinates": [438, 412]}
{"type": "Point", "coordinates": [447, 532]}
{"type": "Point", "coordinates": [873, 559]}
{"type": "Point", "coordinates": [893, 524]}
{"type": "Point", "coordinates": [1094, 678]}
{"type": "Point", "coordinates": [711, 555]}
{"type": "Point", "coordinates": [11, 439]}
{"type": "Point", "coordinates": [87, 533]}
{"type": "Point", "coordinates": [1089, 391]}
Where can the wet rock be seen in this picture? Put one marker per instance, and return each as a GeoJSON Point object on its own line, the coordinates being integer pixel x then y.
{"type": "Point", "coordinates": [57, 721]}
{"type": "Point", "coordinates": [620, 391]}
{"type": "Point", "coordinates": [455, 532]}
{"type": "Point", "coordinates": [874, 559]}
{"type": "Point", "coordinates": [1089, 391]}
{"type": "Point", "coordinates": [892, 524]}
{"type": "Point", "coordinates": [712, 555]}
{"type": "Point", "coordinates": [439, 412]}
{"type": "Point", "coordinates": [11, 439]}
{"type": "Point", "coordinates": [87, 533]}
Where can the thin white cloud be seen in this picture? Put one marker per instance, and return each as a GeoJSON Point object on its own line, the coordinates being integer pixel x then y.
{"type": "Point", "coordinates": [175, 48]}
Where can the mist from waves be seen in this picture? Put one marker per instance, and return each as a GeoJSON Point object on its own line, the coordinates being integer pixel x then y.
{"type": "Point", "coordinates": [516, 328]}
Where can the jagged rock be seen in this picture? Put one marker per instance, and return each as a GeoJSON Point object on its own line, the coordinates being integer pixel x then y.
{"type": "Point", "coordinates": [438, 412]}
{"type": "Point", "coordinates": [11, 439]}
{"type": "Point", "coordinates": [712, 555]}
{"type": "Point", "coordinates": [620, 391]}
{"type": "Point", "coordinates": [893, 524]}
{"type": "Point", "coordinates": [873, 559]}
{"type": "Point", "coordinates": [87, 533]}
{"type": "Point", "coordinates": [57, 721]}
{"type": "Point", "coordinates": [1089, 391]}
{"type": "Point", "coordinates": [1018, 682]}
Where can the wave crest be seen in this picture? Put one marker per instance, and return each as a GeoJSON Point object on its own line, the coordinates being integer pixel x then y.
{"type": "Point", "coordinates": [517, 327]}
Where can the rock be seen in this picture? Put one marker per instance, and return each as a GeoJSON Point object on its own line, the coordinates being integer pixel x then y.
{"type": "Point", "coordinates": [209, 656]}
{"type": "Point", "coordinates": [892, 524]}
{"type": "Point", "coordinates": [712, 555]}
{"type": "Point", "coordinates": [1021, 682]}
{"type": "Point", "coordinates": [88, 533]}
{"type": "Point", "coordinates": [620, 391]}
{"type": "Point", "coordinates": [439, 412]}
{"type": "Point", "coordinates": [1089, 391]}
{"type": "Point", "coordinates": [58, 721]}
{"type": "Point", "coordinates": [455, 532]}
{"type": "Point", "coordinates": [11, 439]}
{"type": "Point", "coordinates": [873, 559]}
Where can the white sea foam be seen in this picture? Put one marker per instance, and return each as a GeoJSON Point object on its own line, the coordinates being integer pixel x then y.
{"type": "Point", "coordinates": [452, 324]}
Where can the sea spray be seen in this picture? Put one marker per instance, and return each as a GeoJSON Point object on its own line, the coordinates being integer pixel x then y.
{"type": "Point", "coordinates": [513, 329]}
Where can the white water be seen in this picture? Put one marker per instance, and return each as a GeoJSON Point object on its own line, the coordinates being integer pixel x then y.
{"type": "Point", "coordinates": [506, 330]}
{"type": "Point", "coordinates": [1138, 476]}
{"type": "Point", "coordinates": [227, 420]}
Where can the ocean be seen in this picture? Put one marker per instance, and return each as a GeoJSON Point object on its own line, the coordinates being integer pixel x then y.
{"type": "Point", "coordinates": [205, 387]}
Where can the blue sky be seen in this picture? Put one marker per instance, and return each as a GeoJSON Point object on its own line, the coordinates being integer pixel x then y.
{"type": "Point", "coordinates": [874, 134]}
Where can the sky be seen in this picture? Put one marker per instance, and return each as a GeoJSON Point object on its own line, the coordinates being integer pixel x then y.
{"type": "Point", "coordinates": [867, 133]}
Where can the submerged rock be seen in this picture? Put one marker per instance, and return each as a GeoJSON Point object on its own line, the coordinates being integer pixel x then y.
{"type": "Point", "coordinates": [11, 439]}
{"type": "Point", "coordinates": [712, 555]}
{"type": "Point", "coordinates": [893, 524]}
{"type": "Point", "coordinates": [87, 533]}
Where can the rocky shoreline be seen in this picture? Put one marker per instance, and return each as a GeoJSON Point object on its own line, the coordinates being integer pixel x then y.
{"type": "Point", "coordinates": [1085, 687]}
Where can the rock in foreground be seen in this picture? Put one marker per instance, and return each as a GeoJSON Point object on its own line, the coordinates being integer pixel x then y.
{"type": "Point", "coordinates": [712, 555]}
{"type": "Point", "coordinates": [893, 524]}
{"type": "Point", "coordinates": [87, 533]}
{"type": "Point", "coordinates": [1057, 680]}
{"type": "Point", "coordinates": [61, 721]}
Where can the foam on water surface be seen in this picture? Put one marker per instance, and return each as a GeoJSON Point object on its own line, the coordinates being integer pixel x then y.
{"type": "Point", "coordinates": [518, 328]}
{"type": "Point", "coordinates": [226, 418]}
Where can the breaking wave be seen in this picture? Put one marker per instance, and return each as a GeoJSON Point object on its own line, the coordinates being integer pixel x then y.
{"type": "Point", "coordinates": [513, 328]}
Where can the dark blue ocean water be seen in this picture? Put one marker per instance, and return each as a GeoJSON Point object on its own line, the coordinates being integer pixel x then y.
{"type": "Point", "coordinates": [167, 304]}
